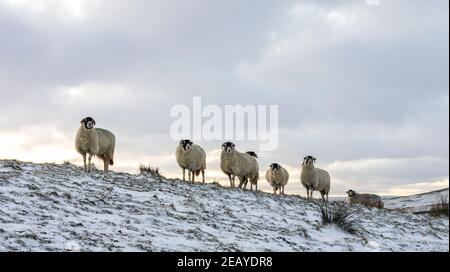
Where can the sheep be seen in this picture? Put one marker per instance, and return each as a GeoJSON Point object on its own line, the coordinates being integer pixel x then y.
{"type": "Point", "coordinates": [278, 177]}
{"type": "Point", "coordinates": [234, 164]}
{"type": "Point", "coordinates": [253, 175]}
{"type": "Point", "coordinates": [314, 179]}
{"type": "Point", "coordinates": [191, 157]}
{"type": "Point", "coordinates": [95, 142]}
{"type": "Point", "coordinates": [369, 200]}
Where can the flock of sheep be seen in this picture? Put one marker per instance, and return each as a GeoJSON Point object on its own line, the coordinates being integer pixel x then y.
{"type": "Point", "coordinates": [91, 141]}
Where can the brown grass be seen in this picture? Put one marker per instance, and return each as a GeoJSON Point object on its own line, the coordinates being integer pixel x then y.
{"type": "Point", "coordinates": [440, 208]}
{"type": "Point", "coordinates": [148, 169]}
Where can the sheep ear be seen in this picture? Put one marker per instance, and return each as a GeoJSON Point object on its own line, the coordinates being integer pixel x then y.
{"type": "Point", "coordinates": [94, 122]}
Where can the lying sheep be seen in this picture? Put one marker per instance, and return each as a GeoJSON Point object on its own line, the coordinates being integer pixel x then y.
{"type": "Point", "coordinates": [95, 142]}
{"type": "Point", "coordinates": [277, 177]}
{"type": "Point", "coordinates": [369, 200]}
{"type": "Point", "coordinates": [191, 157]}
{"type": "Point", "coordinates": [234, 164]}
{"type": "Point", "coordinates": [314, 179]}
{"type": "Point", "coordinates": [253, 175]}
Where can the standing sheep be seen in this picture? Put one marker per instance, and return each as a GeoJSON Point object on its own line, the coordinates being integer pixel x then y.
{"type": "Point", "coordinates": [95, 142]}
{"type": "Point", "coordinates": [234, 164]}
{"type": "Point", "coordinates": [253, 175]}
{"type": "Point", "coordinates": [369, 200]}
{"type": "Point", "coordinates": [277, 177]}
{"type": "Point", "coordinates": [314, 179]}
{"type": "Point", "coordinates": [191, 157]}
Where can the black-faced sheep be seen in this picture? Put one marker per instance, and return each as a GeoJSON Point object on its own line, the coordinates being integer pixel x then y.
{"type": "Point", "coordinates": [314, 179]}
{"type": "Point", "coordinates": [370, 200]}
{"type": "Point", "coordinates": [278, 177]}
{"type": "Point", "coordinates": [191, 157]}
{"type": "Point", "coordinates": [253, 175]}
{"type": "Point", "coordinates": [93, 141]}
{"type": "Point", "coordinates": [234, 163]}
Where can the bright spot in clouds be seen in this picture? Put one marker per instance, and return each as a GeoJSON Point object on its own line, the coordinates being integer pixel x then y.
{"type": "Point", "coordinates": [67, 10]}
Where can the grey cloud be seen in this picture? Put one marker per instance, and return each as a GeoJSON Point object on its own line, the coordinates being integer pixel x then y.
{"type": "Point", "coordinates": [352, 81]}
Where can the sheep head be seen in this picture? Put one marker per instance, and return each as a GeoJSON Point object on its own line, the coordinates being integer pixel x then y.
{"type": "Point", "coordinates": [228, 147]}
{"type": "Point", "coordinates": [275, 167]}
{"type": "Point", "coordinates": [186, 145]}
{"type": "Point", "coordinates": [252, 154]}
{"type": "Point", "coordinates": [309, 160]}
{"type": "Point", "coordinates": [351, 193]}
{"type": "Point", "coordinates": [88, 123]}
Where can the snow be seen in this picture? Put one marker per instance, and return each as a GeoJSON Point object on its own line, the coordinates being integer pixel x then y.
{"type": "Point", "coordinates": [49, 207]}
{"type": "Point", "coordinates": [415, 203]}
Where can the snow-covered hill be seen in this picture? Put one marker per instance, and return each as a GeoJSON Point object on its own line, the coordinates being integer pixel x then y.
{"type": "Point", "coordinates": [48, 207]}
{"type": "Point", "coordinates": [416, 203]}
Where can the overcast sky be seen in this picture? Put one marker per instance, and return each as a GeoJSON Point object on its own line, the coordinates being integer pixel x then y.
{"type": "Point", "coordinates": [364, 88]}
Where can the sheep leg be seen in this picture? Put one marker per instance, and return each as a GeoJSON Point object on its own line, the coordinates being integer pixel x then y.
{"type": "Point", "coordinates": [275, 191]}
{"type": "Point", "coordinates": [106, 161]}
{"type": "Point", "coordinates": [84, 161]}
{"type": "Point", "coordinates": [203, 175]}
{"type": "Point", "coordinates": [307, 193]}
{"type": "Point", "coordinates": [229, 177]}
{"type": "Point", "coordinates": [193, 176]}
{"type": "Point", "coordinates": [282, 192]}
{"type": "Point", "coordinates": [105, 164]}
{"type": "Point", "coordinates": [233, 178]}
{"type": "Point", "coordinates": [241, 182]}
{"type": "Point", "coordinates": [184, 174]}
{"type": "Point", "coordinates": [89, 162]}
{"type": "Point", "coordinates": [256, 187]}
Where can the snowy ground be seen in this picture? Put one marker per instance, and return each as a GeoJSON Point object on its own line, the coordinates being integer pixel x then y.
{"type": "Point", "coordinates": [50, 207]}
{"type": "Point", "coordinates": [415, 203]}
